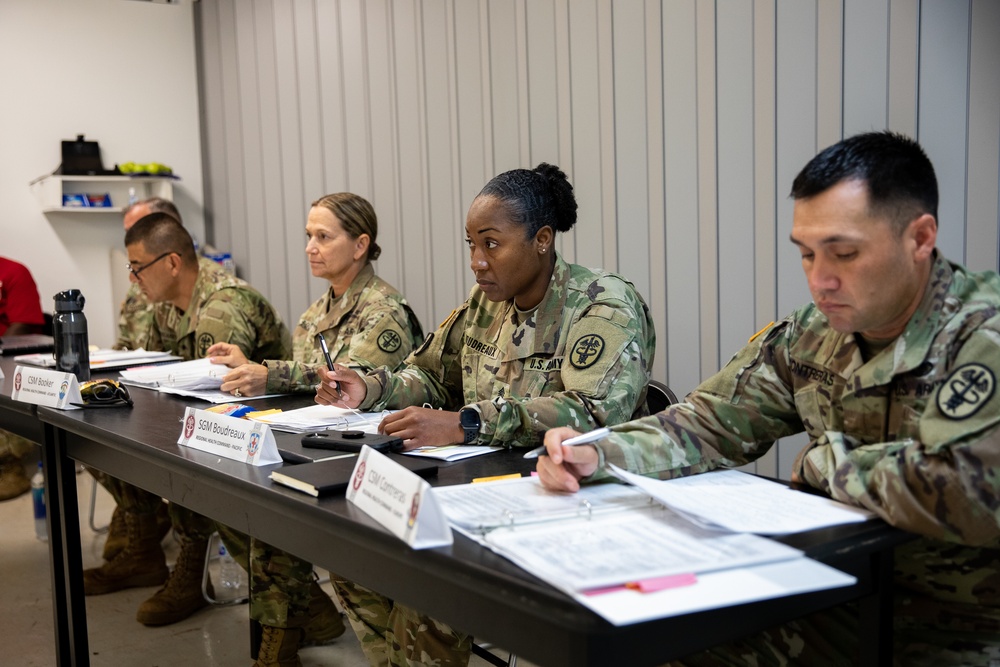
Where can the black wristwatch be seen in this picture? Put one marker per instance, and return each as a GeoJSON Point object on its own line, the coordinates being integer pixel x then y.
{"type": "Point", "coordinates": [471, 422]}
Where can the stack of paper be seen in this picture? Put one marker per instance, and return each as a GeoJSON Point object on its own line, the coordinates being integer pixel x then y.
{"type": "Point", "coordinates": [627, 554]}
{"type": "Point", "coordinates": [104, 360]}
{"type": "Point", "coordinates": [321, 418]}
{"type": "Point", "coordinates": [452, 452]}
{"type": "Point", "coordinates": [200, 374]}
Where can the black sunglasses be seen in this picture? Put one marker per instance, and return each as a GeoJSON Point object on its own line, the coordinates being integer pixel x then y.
{"type": "Point", "coordinates": [104, 394]}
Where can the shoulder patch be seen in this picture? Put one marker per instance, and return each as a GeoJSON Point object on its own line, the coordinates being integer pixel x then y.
{"type": "Point", "coordinates": [205, 341]}
{"type": "Point", "coordinates": [586, 350]}
{"type": "Point", "coordinates": [968, 388]}
{"type": "Point", "coordinates": [389, 341]}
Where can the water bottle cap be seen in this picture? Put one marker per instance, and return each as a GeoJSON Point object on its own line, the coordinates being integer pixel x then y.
{"type": "Point", "coordinates": [70, 301]}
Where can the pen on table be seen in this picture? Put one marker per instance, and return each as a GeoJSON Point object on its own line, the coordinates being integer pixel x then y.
{"type": "Point", "coordinates": [326, 354]}
{"type": "Point", "coordinates": [584, 439]}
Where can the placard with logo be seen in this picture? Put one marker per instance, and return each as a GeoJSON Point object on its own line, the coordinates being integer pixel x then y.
{"type": "Point", "coordinates": [400, 500]}
{"type": "Point", "coordinates": [52, 389]}
{"type": "Point", "coordinates": [229, 437]}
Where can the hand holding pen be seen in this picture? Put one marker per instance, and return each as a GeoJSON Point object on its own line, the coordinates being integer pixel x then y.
{"type": "Point", "coordinates": [340, 386]}
{"type": "Point", "coordinates": [564, 466]}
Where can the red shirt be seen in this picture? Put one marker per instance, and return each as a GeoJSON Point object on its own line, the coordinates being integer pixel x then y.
{"type": "Point", "coordinates": [19, 300]}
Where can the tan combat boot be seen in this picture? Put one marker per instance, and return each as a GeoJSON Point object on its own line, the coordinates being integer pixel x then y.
{"type": "Point", "coordinates": [140, 563]}
{"type": "Point", "coordinates": [118, 536]}
{"type": "Point", "coordinates": [325, 622]}
{"type": "Point", "coordinates": [279, 647]}
{"type": "Point", "coordinates": [181, 596]}
{"type": "Point", "coordinates": [13, 481]}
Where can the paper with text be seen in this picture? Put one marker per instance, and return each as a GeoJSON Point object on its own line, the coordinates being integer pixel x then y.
{"type": "Point", "coordinates": [52, 389]}
{"type": "Point", "coordinates": [229, 437]}
{"type": "Point", "coordinates": [741, 502]}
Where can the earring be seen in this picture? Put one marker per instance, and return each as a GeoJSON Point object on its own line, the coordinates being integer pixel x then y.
{"type": "Point", "coordinates": [542, 250]}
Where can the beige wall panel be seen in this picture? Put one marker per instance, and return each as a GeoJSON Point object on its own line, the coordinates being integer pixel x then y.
{"type": "Point", "coordinates": [983, 189]}
{"type": "Point", "coordinates": [866, 67]}
{"type": "Point", "coordinates": [656, 249]}
{"type": "Point", "coordinates": [680, 147]}
{"type": "Point", "coordinates": [830, 67]}
{"type": "Point", "coordinates": [904, 24]}
{"type": "Point", "coordinates": [708, 184]}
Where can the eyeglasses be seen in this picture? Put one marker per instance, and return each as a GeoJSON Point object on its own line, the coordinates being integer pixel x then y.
{"type": "Point", "coordinates": [135, 272]}
{"type": "Point", "coordinates": [104, 394]}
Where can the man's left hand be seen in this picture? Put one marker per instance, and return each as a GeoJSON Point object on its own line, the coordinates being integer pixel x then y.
{"type": "Point", "coordinates": [423, 427]}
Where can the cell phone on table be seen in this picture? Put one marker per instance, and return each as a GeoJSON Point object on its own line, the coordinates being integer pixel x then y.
{"type": "Point", "coordinates": [352, 441]}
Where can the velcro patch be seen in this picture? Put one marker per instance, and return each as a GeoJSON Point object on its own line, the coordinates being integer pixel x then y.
{"type": "Point", "coordinates": [967, 389]}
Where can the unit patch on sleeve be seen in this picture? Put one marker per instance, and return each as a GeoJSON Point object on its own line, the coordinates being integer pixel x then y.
{"type": "Point", "coordinates": [205, 341]}
{"type": "Point", "coordinates": [389, 341]}
{"type": "Point", "coordinates": [586, 351]}
{"type": "Point", "coordinates": [967, 389]}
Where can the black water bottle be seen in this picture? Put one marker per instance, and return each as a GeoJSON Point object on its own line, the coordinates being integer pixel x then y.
{"type": "Point", "coordinates": [69, 328]}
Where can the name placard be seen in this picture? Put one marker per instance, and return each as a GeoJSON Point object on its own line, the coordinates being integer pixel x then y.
{"type": "Point", "coordinates": [53, 389]}
{"type": "Point", "coordinates": [229, 437]}
{"type": "Point", "coordinates": [400, 500]}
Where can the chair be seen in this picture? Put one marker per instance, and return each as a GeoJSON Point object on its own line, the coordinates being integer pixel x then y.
{"type": "Point", "coordinates": [659, 396]}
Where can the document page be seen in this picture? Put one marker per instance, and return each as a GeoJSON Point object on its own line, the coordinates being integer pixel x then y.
{"type": "Point", "coordinates": [481, 507]}
{"type": "Point", "coordinates": [321, 418]}
{"type": "Point", "coordinates": [200, 374]}
{"type": "Point", "coordinates": [741, 502]}
{"type": "Point", "coordinates": [622, 548]}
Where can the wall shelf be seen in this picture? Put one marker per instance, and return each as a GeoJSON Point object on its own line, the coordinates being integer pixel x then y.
{"type": "Point", "coordinates": [49, 191]}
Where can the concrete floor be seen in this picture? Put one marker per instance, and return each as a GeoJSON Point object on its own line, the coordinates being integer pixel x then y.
{"type": "Point", "coordinates": [214, 636]}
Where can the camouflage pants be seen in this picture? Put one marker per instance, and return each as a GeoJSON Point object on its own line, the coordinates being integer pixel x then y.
{"type": "Point", "coordinates": [831, 638]}
{"type": "Point", "coordinates": [279, 581]}
{"type": "Point", "coordinates": [14, 446]}
{"type": "Point", "coordinates": [394, 634]}
{"type": "Point", "coordinates": [188, 524]}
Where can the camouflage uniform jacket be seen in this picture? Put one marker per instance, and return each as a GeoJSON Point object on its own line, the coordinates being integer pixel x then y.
{"type": "Point", "coordinates": [912, 434]}
{"type": "Point", "coordinates": [582, 358]}
{"type": "Point", "coordinates": [136, 319]}
{"type": "Point", "coordinates": [223, 309]}
{"type": "Point", "coordinates": [370, 325]}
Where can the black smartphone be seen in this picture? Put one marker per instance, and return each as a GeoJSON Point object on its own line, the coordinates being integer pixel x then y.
{"type": "Point", "coordinates": [352, 441]}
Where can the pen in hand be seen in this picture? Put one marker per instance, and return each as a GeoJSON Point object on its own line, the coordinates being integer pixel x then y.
{"type": "Point", "coordinates": [326, 354]}
{"type": "Point", "coordinates": [586, 438]}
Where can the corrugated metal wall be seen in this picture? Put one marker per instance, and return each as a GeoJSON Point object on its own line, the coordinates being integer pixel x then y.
{"type": "Point", "coordinates": [681, 123]}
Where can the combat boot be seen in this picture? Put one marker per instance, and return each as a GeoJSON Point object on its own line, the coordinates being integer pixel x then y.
{"type": "Point", "coordinates": [181, 596]}
{"type": "Point", "coordinates": [13, 481]}
{"type": "Point", "coordinates": [279, 647]}
{"type": "Point", "coordinates": [325, 622]}
{"type": "Point", "coordinates": [140, 563]}
{"type": "Point", "coordinates": [118, 536]}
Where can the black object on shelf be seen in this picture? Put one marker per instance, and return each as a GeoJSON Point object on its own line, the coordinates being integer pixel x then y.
{"type": "Point", "coordinates": [83, 158]}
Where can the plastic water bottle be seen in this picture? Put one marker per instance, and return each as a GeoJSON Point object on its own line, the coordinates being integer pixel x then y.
{"type": "Point", "coordinates": [231, 576]}
{"type": "Point", "coordinates": [69, 328]}
{"type": "Point", "coordinates": [38, 501]}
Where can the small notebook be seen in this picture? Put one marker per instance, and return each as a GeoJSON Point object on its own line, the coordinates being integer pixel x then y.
{"type": "Point", "coordinates": [322, 478]}
{"type": "Point", "coordinates": [10, 345]}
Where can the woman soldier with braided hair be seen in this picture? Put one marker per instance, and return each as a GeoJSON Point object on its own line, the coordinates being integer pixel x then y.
{"type": "Point", "coordinates": [539, 343]}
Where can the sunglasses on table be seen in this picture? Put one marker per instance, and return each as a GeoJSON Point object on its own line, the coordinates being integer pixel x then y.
{"type": "Point", "coordinates": [104, 394]}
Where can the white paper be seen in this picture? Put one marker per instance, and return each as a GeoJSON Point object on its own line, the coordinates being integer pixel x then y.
{"type": "Point", "coordinates": [717, 589]}
{"type": "Point", "coordinates": [452, 452]}
{"type": "Point", "coordinates": [484, 506]}
{"type": "Point", "coordinates": [399, 500]}
{"type": "Point", "coordinates": [199, 374]}
{"type": "Point", "coordinates": [741, 502]}
{"type": "Point", "coordinates": [323, 417]}
{"type": "Point", "coordinates": [614, 549]}
{"type": "Point", "coordinates": [103, 360]}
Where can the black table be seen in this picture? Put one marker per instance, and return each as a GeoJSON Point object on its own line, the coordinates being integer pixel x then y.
{"type": "Point", "coordinates": [464, 584]}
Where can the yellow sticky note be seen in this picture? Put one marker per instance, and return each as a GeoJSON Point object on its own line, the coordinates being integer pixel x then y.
{"type": "Point", "coordinates": [513, 475]}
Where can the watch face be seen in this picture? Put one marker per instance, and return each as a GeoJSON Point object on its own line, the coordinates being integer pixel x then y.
{"type": "Point", "coordinates": [469, 418]}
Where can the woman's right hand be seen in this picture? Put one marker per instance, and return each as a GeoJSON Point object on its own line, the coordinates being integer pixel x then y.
{"type": "Point", "coordinates": [228, 354]}
{"type": "Point", "coordinates": [342, 388]}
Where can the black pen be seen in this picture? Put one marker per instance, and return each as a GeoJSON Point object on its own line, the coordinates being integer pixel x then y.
{"type": "Point", "coordinates": [329, 361]}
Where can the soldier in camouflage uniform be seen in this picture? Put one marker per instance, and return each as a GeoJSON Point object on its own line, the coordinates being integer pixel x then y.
{"type": "Point", "coordinates": [539, 343]}
{"type": "Point", "coordinates": [196, 306]}
{"type": "Point", "coordinates": [367, 324]}
{"type": "Point", "coordinates": [892, 373]}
